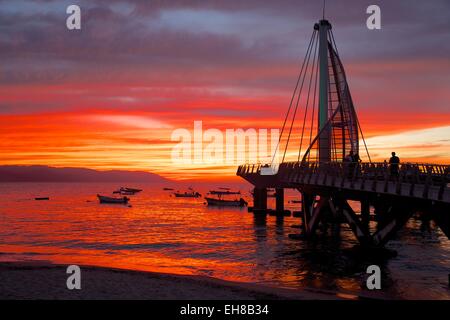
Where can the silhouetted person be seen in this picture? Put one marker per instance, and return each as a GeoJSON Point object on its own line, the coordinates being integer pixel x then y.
{"type": "Point", "coordinates": [394, 161]}
{"type": "Point", "coordinates": [349, 157]}
{"type": "Point", "coordinates": [351, 160]}
{"type": "Point", "coordinates": [356, 158]}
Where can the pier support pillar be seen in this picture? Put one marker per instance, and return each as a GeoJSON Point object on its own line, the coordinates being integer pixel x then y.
{"type": "Point", "coordinates": [307, 210]}
{"type": "Point", "coordinates": [359, 230]}
{"type": "Point", "coordinates": [279, 200]}
{"type": "Point", "coordinates": [365, 213]}
{"type": "Point", "coordinates": [396, 217]}
{"type": "Point", "coordinates": [260, 198]}
{"type": "Point", "coordinates": [440, 215]}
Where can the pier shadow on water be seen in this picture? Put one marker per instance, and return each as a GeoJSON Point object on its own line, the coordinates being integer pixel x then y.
{"type": "Point", "coordinates": [334, 261]}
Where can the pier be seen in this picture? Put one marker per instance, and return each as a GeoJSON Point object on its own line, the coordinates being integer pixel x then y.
{"type": "Point", "coordinates": [329, 173]}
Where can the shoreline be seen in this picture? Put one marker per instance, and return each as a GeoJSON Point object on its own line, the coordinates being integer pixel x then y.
{"type": "Point", "coordinates": [36, 280]}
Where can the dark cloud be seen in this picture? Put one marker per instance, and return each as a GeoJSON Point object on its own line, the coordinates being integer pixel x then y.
{"type": "Point", "coordinates": [210, 43]}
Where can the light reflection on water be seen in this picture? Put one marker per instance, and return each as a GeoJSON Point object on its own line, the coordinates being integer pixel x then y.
{"type": "Point", "coordinates": [177, 235]}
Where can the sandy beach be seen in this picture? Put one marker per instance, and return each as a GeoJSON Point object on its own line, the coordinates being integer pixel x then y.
{"type": "Point", "coordinates": [35, 280]}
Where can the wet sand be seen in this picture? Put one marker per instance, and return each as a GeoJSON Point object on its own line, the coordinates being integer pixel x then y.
{"type": "Point", "coordinates": [36, 280]}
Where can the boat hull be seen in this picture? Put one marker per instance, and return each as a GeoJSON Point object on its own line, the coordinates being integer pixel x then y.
{"type": "Point", "coordinates": [187, 195]}
{"type": "Point", "coordinates": [225, 203]}
{"type": "Point", "coordinates": [104, 199]}
{"type": "Point", "coordinates": [133, 190]}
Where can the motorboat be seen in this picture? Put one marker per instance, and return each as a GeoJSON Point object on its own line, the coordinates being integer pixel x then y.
{"type": "Point", "coordinates": [225, 202]}
{"type": "Point", "coordinates": [105, 199]}
{"type": "Point", "coordinates": [187, 194]}
{"type": "Point", "coordinates": [220, 199]}
{"type": "Point", "coordinates": [127, 191]}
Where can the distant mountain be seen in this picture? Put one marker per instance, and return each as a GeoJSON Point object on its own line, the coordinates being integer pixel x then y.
{"type": "Point", "coordinates": [51, 174]}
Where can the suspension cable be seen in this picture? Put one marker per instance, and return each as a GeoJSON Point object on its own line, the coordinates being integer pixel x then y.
{"type": "Point", "coordinates": [314, 107]}
{"type": "Point", "coordinates": [293, 96]}
{"type": "Point", "coordinates": [298, 100]}
{"type": "Point", "coordinates": [364, 140]}
{"type": "Point", "coordinates": [316, 59]}
{"type": "Point", "coordinates": [333, 142]}
{"type": "Point", "coordinates": [330, 31]}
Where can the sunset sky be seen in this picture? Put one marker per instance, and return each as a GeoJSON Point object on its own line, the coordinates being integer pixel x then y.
{"type": "Point", "coordinates": [110, 95]}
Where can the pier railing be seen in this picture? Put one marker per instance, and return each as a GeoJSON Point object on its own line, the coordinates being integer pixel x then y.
{"type": "Point", "coordinates": [429, 181]}
{"type": "Point", "coordinates": [412, 172]}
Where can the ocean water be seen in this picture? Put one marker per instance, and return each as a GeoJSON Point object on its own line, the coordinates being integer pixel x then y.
{"type": "Point", "coordinates": [159, 232]}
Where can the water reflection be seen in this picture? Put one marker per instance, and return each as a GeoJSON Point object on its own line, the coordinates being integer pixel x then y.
{"type": "Point", "coordinates": [279, 230]}
{"type": "Point", "coordinates": [260, 227]}
{"type": "Point", "coordinates": [167, 234]}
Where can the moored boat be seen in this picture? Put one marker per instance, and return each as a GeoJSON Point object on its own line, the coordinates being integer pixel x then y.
{"type": "Point", "coordinates": [224, 202]}
{"type": "Point", "coordinates": [105, 199]}
{"type": "Point", "coordinates": [221, 193]}
{"type": "Point", "coordinates": [131, 190]}
{"type": "Point", "coordinates": [190, 194]}
{"type": "Point", "coordinates": [219, 200]}
{"type": "Point", "coordinates": [127, 191]}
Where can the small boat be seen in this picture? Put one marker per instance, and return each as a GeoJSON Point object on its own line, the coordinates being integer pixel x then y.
{"type": "Point", "coordinates": [223, 202]}
{"type": "Point", "coordinates": [105, 199]}
{"type": "Point", "coordinates": [131, 190]}
{"type": "Point", "coordinates": [167, 189]}
{"type": "Point", "coordinates": [127, 191]}
{"type": "Point", "coordinates": [220, 201]}
{"type": "Point", "coordinates": [190, 194]}
{"type": "Point", "coordinates": [221, 193]}
{"type": "Point", "coordinates": [123, 192]}
{"type": "Point", "coordinates": [187, 194]}
{"type": "Point", "coordinates": [41, 198]}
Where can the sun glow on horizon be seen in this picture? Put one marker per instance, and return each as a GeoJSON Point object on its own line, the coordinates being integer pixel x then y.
{"type": "Point", "coordinates": [113, 141]}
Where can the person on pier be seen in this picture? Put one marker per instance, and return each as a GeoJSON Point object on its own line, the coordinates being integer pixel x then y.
{"type": "Point", "coordinates": [351, 161]}
{"type": "Point", "coordinates": [356, 158]}
{"type": "Point", "coordinates": [394, 162]}
{"type": "Point", "coordinates": [349, 158]}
